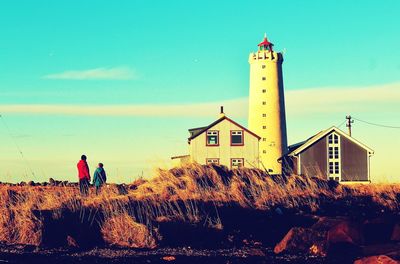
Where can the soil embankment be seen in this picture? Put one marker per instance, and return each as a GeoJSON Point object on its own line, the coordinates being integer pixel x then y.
{"type": "Point", "coordinates": [197, 212]}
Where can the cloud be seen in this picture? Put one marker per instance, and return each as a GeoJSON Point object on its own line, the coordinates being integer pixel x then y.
{"type": "Point", "coordinates": [343, 99]}
{"type": "Point", "coordinates": [298, 103]}
{"type": "Point", "coordinates": [235, 107]}
{"type": "Point", "coordinates": [116, 73]}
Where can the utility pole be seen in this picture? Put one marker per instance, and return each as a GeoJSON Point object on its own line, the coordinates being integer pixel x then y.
{"type": "Point", "coordinates": [348, 123]}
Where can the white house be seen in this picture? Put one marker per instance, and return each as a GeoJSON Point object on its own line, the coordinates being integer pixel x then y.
{"type": "Point", "coordinates": [223, 142]}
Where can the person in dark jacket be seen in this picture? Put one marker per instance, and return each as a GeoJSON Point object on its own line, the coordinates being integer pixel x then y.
{"type": "Point", "coordinates": [84, 176]}
{"type": "Point", "coordinates": [99, 177]}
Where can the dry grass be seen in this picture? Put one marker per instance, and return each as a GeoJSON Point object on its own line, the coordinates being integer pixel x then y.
{"type": "Point", "coordinates": [173, 195]}
{"type": "Point", "coordinates": [122, 230]}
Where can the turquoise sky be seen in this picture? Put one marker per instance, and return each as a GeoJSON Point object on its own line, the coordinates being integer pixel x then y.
{"type": "Point", "coordinates": [167, 53]}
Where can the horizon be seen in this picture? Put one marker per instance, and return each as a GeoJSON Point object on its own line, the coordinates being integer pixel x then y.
{"type": "Point", "coordinates": [123, 82]}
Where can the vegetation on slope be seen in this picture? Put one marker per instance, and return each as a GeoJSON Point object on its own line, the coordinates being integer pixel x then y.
{"type": "Point", "coordinates": [131, 215]}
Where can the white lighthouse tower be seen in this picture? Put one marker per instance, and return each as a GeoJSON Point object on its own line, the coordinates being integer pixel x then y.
{"type": "Point", "coordinates": [267, 105]}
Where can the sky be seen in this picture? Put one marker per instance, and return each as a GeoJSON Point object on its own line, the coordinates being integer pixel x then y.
{"type": "Point", "coordinates": [122, 81]}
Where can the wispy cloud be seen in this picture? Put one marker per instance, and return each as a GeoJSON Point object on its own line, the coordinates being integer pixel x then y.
{"type": "Point", "coordinates": [298, 102]}
{"type": "Point", "coordinates": [116, 73]}
{"type": "Point", "coordinates": [236, 108]}
{"type": "Point", "coordinates": [344, 99]}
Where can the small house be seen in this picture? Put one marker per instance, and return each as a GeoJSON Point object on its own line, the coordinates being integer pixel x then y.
{"type": "Point", "coordinates": [330, 154]}
{"type": "Point", "coordinates": [223, 142]}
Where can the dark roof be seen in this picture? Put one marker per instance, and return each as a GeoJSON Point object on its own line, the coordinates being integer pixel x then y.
{"type": "Point", "coordinates": [301, 146]}
{"type": "Point", "coordinates": [200, 130]}
{"type": "Point", "coordinates": [196, 131]}
{"type": "Point", "coordinates": [179, 157]}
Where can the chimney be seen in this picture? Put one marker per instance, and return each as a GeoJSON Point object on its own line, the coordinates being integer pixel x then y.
{"type": "Point", "coordinates": [222, 114]}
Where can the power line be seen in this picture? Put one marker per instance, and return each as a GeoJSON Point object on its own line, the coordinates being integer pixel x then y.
{"type": "Point", "coordinates": [16, 145]}
{"type": "Point", "coordinates": [341, 124]}
{"type": "Point", "coordinates": [374, 124]}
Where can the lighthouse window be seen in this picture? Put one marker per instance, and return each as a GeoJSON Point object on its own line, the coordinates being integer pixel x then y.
{"type": "Point", "coordinates": [264, 115]}
{"type": "Point", "coordinates": [263, 66]}
{"type": "Point", "coordinates": [264, 78]}
{"type": "Point", "coordinates": [264, 127]}
{"type": "Point", "coordinates": [264, 151]}
{"type": "Point", "coordinates": [264, 139]}
{"type": "Point", "coordinates": [212, 138]}
{"type": "Point", "coordinates": [264, 103]}
{"type": "Point", "coordinates": [264, 90]}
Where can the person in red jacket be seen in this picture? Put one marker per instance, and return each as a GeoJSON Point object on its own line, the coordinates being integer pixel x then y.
{"type": "Point", "coordinates": [84, 176]}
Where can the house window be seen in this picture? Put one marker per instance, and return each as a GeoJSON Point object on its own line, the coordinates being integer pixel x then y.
{"type": "Point", "coordinates": [330, 152]}
{"type": "Point", "coordinates": [264, 90]}
{"type": "Point", "coordinates": [264, 115]}
{"type": "Point", "coordinates": [236, 163]}
{"type": "Point", "coordinates": [264, 127]}
{"type": "Point", "coordinates": [263, 66]}
{"type": "Point", "coordinates": [336, 152]}
{"type": "Point", "coordinates": [212, 138]}
{"type": "Point", "coordinates": [264, 103]}
{"type": "Point", "coordinates": [264, 151]}
{"type": "Point", "coordinates": [237, 138]}
{"type": "Point", "coordinates": [212, 161]}
{"type": "Point", "coordinates": [264, 139]}
{"type": "Point", "coordinates": [334, 164]}
{"type": "Point", "coordinates": [264, 78]}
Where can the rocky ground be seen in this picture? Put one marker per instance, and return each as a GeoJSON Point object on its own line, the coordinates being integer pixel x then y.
{"type": "Point", "coordinates": [24, 254]}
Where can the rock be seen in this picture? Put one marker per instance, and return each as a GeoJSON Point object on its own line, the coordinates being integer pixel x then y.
{"type": "Point", "coordinates": [122, 190]}
{"type": "Point", "coordinates": [326, 223]}
{"type": "Point", "coordinates": [304, 240]}
{"type": "Point", "coordinates": [381, 259]}
{"type": "Point", "coordinates": [31, 183]}
{"type": "Point", "coordinates": [395, 233]}
{"type": "Point", "coordinates": [344, 240]}
{"type": "Point", "coordinates": [71, 242]}
{"type": "Point", "coordinates": [168, 258]}
{"type": "Point", "coordinates": [51, 182]}
{"type": "Point", "coordinates": [345, 232]}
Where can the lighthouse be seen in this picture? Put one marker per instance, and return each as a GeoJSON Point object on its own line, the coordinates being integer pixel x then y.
{"type": "Point", "coordinates": [267, 105]}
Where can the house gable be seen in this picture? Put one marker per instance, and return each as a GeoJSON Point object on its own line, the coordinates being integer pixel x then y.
{"type": "Point", "coordinates": [195, 132]}
{"type": "Point", "coordinates": [308, 143]}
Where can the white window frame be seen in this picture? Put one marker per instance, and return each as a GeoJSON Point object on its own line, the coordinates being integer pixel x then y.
{"type": "Point", "coordinates": [333, 160]}
{"type": "Point", "coordinates": [237, 163]}
{"type": "Point", "coordinates": [212, 161]}
{"type": "Point", "coordinates": [212, 133]}
{"type": "Point", "coordinates": [237, 133]}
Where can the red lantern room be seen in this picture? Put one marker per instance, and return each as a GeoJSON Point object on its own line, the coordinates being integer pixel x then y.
{"type": "Point", "coordinates": [265, 44]}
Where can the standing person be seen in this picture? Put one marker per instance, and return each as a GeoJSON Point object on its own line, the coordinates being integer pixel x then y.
{"type": "Point", "coordinates": [84, 176]}
{"type": "Point", "coordinates": [99, 177]}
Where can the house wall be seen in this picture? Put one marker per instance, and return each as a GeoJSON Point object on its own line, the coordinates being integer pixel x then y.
{"type": "Point", "coordinates": [354, 161]}
{"type": "Point", "coordinates": [199, 152]}
{"type": "Point", "coordinates": [314, 160]}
